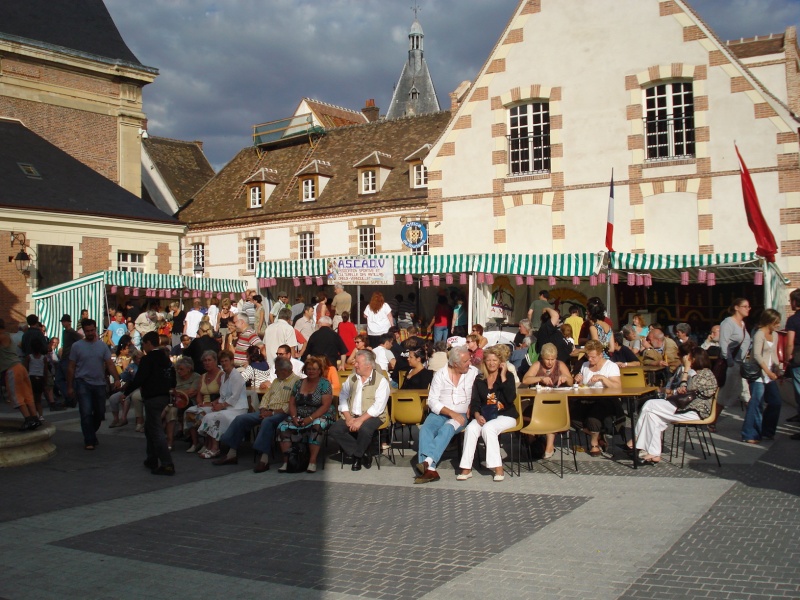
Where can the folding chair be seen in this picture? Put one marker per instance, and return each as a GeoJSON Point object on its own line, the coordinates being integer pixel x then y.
{"type": "Point", "coordinates": [632, 377]}
{"type": "Point", "coordinates": [407, 409]}
{"type": "Point", "coordinates": [510, 432]}
{"type": "Point", "coordinates": [551, 415]}
{"type": "Point", "coordinates": [701, 427]}
{"type": "Point", "coordinates": [376, 437]}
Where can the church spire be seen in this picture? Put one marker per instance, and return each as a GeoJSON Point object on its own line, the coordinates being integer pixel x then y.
{"type": "Point", "coordinates": [414, 93]}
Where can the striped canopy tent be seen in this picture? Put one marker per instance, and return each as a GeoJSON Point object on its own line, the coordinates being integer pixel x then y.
{"type": "Point", "coordinates": [539, 265]}
{"type": "Point", "coordinates": [727, 268]}
{"type": "Point", "coordinates": [404, 264]}
{"type": "Point", "coordinates": [89, 292]}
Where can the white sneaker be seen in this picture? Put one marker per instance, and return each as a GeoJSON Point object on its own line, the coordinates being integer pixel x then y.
{"type": "Point", "coordinates": [498, 477]}
{"type": "Point", "coordinates": [192, 449]}
{"type": "Point", "coordinates": [463, 476]}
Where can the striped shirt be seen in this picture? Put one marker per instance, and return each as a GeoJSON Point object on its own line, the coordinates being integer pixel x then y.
{"type": "Point", "coordinates": [277, 397]}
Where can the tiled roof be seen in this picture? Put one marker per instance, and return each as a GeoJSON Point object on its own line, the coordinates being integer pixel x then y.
{"type": "Point", "coordinates": [331, 116]}
{"type": "Point", "coordinates": [419, 153]}
{"type": "Point", "coordinates": [56, 182]}
{"type": "Point", "coordinates": [376, 159]}
{"type": "Point", "coordinates": [264, 175]}
{"type": "Point", "coordinates": [316, 167]}
{"type": "Point", "coordinates": [183, 165]}
{"type": "Point", "coordinates": [223, 202]}
{"type": "Point", "coordinates": [757, 46]}
{"type": "Point", "coordinates": [81, 25]}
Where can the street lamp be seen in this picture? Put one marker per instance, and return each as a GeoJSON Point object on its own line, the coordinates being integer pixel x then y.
{"type": "Point", "coordinates": [22, 261]}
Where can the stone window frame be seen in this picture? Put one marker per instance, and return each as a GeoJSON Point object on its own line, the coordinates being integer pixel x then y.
{"type": "Point", "coordinates": [543, 144]}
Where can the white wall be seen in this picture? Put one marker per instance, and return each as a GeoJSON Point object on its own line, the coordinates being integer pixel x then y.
{"type": "Point", "coordinates": [671, 223]}
{"type": "Point", "coordinates": [333, 239]}
{"type": "Point", "coordinates": [465, 225]}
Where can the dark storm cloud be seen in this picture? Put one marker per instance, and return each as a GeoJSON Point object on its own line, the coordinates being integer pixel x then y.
{"type": "Point", "coordinates": [226, 65]}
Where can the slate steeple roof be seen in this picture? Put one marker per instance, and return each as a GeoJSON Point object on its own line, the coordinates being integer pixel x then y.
{"type": "Point", "coordinates": [414, 93]}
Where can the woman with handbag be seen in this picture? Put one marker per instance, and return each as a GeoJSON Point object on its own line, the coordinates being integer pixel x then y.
{"type": "Point", "coordinates": [693, 405]}
{"type": "Point", "coordinates": [765, 387]}
{"type": "Point", "coordinates": [734, 340]}
{"type": "Point", "coordinates": [493, 411]}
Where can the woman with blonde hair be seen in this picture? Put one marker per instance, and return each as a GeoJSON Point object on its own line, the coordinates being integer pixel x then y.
{"type": "Point", "coordinates": [764, 389]}
{"type": "Point", "coordinates": [493, 411]}
{"type": "Point", "coordinates": [379, 318]}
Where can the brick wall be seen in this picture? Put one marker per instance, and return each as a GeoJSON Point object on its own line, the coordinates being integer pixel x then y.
{"type": "Point", "coordinates": [13, 286]}
{"type": "Point", "coordinates": [95, 255]}
{"type": "Point", "coordinates": [163, 256]}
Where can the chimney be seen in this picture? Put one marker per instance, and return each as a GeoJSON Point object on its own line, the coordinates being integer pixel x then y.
{"type": "Point", "coordinates": [457, 97]}
{"type": "Point", "coordinates": [371, 111]}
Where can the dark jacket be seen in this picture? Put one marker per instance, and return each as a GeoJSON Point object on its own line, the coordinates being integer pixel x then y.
{"type": "Point", "coordinates": [506, 393]}
{"type": "Point", "coordinates": [325, 342]}
{"type": "Point", "coordinates": [155, 375]}
{"type": "Point", "coordinates": [197, 347]}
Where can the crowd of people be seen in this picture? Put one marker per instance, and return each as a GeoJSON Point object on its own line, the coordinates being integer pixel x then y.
{"type": "Point", "coordinates": [186, 375]}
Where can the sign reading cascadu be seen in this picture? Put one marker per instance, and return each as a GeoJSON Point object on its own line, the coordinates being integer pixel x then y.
{"type": "Point", "coordinates": [356, 270]}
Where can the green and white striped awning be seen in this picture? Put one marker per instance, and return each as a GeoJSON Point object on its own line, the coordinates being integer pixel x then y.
{"type": "Point", "coordinates": [623, 261]}
{"type": "Point", "coordinates": [559, 265]}
{"type": "Point", "coordinates": [89, 293]}
{"type": "Point", "coordinates": [541, 265]}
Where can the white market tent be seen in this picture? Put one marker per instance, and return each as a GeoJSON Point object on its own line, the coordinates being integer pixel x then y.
{"type": "Point", "coordinates": [91, 292]}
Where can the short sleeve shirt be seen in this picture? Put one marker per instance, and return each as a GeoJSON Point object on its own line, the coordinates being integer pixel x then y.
{"type": "Point", "coordinates": [90, 359]}
{"type": "Point", "coordinates": [793, 324]}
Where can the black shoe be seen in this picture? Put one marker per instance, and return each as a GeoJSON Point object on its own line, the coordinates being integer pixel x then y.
{"type": "Point", "coordinates": [794, 419]}
{"type": "Point", "coordinates": [356, 464]}
{"type": "Point", "coordinates": [151, 463]}
{"type": "Point", "coordinates": [164, 470]}
{"type": "Point", "coordinates": [366, 461]}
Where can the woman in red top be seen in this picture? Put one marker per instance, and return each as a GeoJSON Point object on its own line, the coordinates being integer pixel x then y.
{"type": "Point", "coordinates": [441, 320]}
{"type": "Point", "coordinates": [347, 331]}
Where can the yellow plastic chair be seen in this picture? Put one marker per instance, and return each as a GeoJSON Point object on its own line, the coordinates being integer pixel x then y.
{"type": "Point", "coordinates": [376, 437]}
{"type": "Point", "coordinates": [632, 377]}
{"type": "Point", "coordinates": [516, 429]}
{"type": "Point", "coordinates": [407, 409]}
{"type": "Point", "coordinates": [551, 415]}
{"type": "Point", "coordinates": [700, 426]}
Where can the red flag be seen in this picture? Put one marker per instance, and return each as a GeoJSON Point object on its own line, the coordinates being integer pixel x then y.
{"type": "Point", "coordinates": [765, 241]}
{"type": "Point", "coordinates": [610, 220]}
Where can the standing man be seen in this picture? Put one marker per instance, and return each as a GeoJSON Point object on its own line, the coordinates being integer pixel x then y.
{"type": "Point", "coordinates": [192, 321]}
{"type": "Point", "coordinates": [89, 361]}
{"type": "Point", "coordinates": [68, 337]}
{"type": "Point", "coordinates": [246, 337]}
{"type": "Point", "coordinates": [326, 342]}
{"type": "Point", "coordinates": [279, 333]}
{"type": "Point", "coordinates": [574, 320]}
{"type": "Point", "coordinates": [448, 400]}
{"type": "Point", "coordinates": [271, 413]}
{"type": "Point", "coordinates": [280, 303]}
{"type": "Point", "coordinates": [118, 328]}
{"type": "Point", "coordinates": [537, 308]}
{"type": "Point", "coordinates": [791, 352]}
{"type": "Point", "coordinates": [305, 324]}
{"type": "Point", "coordinates": [342, 301]}
{"type": "Point", "coordinates": [406, 311]}
{"type": "Point", "coordinates": [363, 403]}
{"type": "Point", "coordinates": [156, 378]}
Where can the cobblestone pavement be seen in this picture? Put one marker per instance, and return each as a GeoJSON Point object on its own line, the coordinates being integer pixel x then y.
{"type": "Point", "coordinates": [98, 525]}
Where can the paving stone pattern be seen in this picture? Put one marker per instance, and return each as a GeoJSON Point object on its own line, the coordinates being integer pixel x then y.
{"type": "Point", "coordinates": [402, 543]}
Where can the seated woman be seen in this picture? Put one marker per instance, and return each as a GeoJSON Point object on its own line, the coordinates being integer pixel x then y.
{"type": "Point", "coordinates": [232, 402]}
{"type": "Point", "coordinates": [504, 352]}
{"type": "Point", "coordinates": [591, 414]}
{"type": "Point", "coordinates": [677, 383]}
{"type": "Point", "coordinates": [477, 329]}
{"type": "Point", "coordinates": [116, 400]}
{"type": "Point", "coordinates": [256, 373]}
{"type": "Point", "coordinates": [187, 382]}
{"type": "Point", "coordinates": [330, 373]}
{"type": "Point", "coordinates": [309, 413]}
{"type": "Point", "coordinates": [417, 377]}
{"type": "Point", "coordinates": [207, 393]}
{"type": "Point", "coordinates": [493, 411]}
{"type": "Point", "coordinates": [439, 358]}
{"type": "Point", "coordinates": [658, 413]}
{"type": "Point", "coordinates": [361, 343]}
{"type": "Point", "coordinates": [631, 339]}
{"type": "Point", "coordinates": [548, 371]}
{"type": "Point", "coordinates": [600, 330]}
{"type": "Point", "coordinates": [475, 351]}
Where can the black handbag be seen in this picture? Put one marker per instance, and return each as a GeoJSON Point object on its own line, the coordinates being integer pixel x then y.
{"type": "Point", "coordinates": [751, 371]}
{"type": "Point", "coordinates": [681, 401]}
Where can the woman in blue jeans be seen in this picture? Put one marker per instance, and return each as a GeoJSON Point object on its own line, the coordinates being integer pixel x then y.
{"type": "Point", "coordinates": [765, 345]}
{"type": "Point", "coordinates": [442, 317]}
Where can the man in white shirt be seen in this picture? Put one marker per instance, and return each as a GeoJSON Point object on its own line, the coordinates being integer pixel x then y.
{"type": "Point", "coordinates": [384, 357]}
{"type": "Point", "coordinates": [279, 333]}
{"type": "Point", "coordinates": [363, 403]}
{"type": "Point", "coordinates": [193, 318]}
{"type": "Point", "coordinates": [305, 324]}
{"type": "Point", "coordinates": [281, 303]}
{"type": "Point", "coordinates": [448, 400]}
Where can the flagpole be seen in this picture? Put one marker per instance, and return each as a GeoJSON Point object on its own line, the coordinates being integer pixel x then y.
{"type": "Point", "coordinates": [608, 256]}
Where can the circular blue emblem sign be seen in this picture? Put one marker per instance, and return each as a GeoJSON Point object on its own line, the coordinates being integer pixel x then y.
{"type": "Point", "coordinates": [414, 234]}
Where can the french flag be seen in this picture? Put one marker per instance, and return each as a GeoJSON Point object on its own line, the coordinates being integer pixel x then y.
{"type": "Point", "coordinates": [610, 220]}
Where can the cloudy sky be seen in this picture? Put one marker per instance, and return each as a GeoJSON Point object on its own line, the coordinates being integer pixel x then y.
{"type": "Point", "coordinates": [226, 65]}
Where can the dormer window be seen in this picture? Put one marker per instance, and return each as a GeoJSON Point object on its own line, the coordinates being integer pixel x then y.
{"type": "Point", "coordinates": [308, 189]}
{"type": "Point", "coordinates": [414, 94]}
{"type": "Point", "coordinates": [255, 196]}
{"type": "Point", "coordinates": [368, 182]}
{"type": "Point", "coordinates": [420, 176]}
{"type": "Point", "coordinates": [260, 186]}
